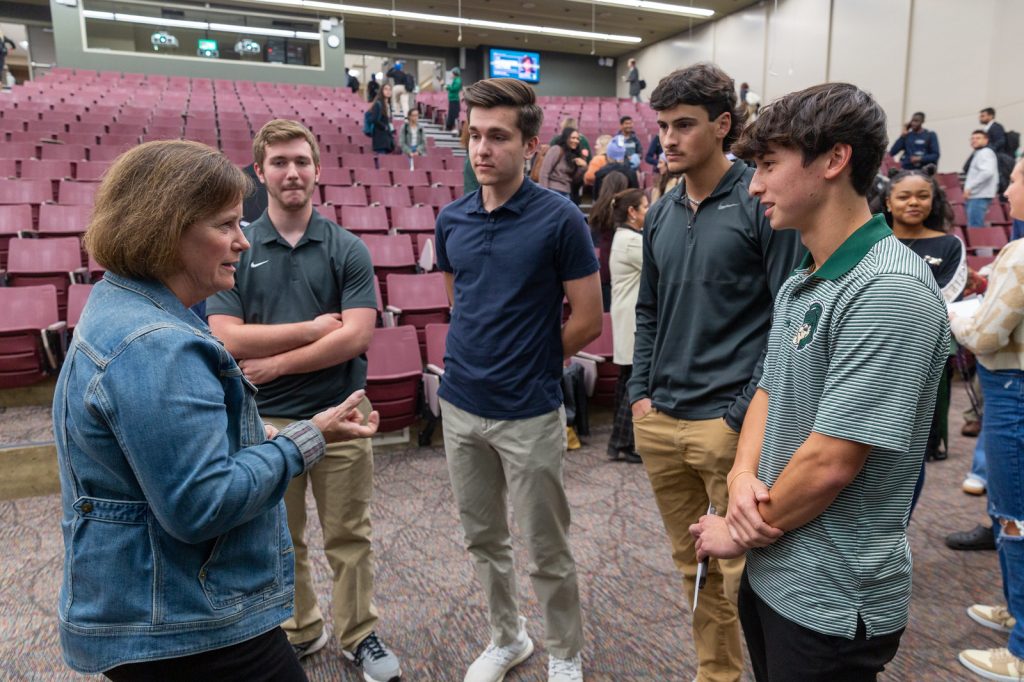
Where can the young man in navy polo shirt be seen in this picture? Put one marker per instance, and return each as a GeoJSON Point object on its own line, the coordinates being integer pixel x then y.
{"type": "Point", "coordinates": [511, 251]}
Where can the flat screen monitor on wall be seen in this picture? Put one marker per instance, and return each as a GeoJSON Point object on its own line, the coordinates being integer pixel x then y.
{"type": "Point", "coordinates": [524, 66]}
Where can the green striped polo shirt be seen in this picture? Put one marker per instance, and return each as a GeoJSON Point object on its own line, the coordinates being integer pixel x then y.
{"type": "Point", "coordinates": [855, 352]}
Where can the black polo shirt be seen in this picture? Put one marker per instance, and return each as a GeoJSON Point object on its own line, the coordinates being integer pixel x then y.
{"type": "Point", "coordinates": [328, 270]}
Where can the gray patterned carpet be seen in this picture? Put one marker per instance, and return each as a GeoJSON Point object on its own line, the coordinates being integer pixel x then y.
{"type": "Point", "coordinates": [433, 614]}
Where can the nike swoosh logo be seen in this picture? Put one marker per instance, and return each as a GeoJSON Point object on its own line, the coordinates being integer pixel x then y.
{"type": "Point", "coordinates": [723, 206]}
{"type": "Point", "coordinates": [256, 265]}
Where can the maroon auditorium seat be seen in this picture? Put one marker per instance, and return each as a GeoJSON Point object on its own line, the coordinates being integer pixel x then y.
{"type": "Point", "coordinates": [341, 177]}
{"type": "Point", "coordinates": [30, 333]}
{"type": "Point", "coordinates": [345, 196]}
{"type": "Point", "coordinates": [61, 220]}
{"type": "Point", "coordinates": [432, 196]}
{"type": "Point", "coordinates": [413, 218]}
{"type": "Point", "coordinates": [13, 219]}
{"type": "Point", "coordinates": [371, 177]}
{"type": "Point", "coordinates": [25, 191]}
{"type": "Point", "coordinates": [68, 152]}
{"type": "Point", "coordinates": [418, 300]}
{"type": "Point", "coordinates": [393, 374]}
{"type": "Point", "coordinates": [391, 196]}
{"type": "Point", "coordinates": [77, 193]}
{"type": "Point", "coordinates": [363, 219]}
{"type": "Point", "coordinates": [55, 261]}
{"type": "Point", "coordinates": [600, 351]}
{"type": "Point", "coordinates": [411, 178]}
{"type": "Point", "coordinates": [390, 254]}
{"type": "Point", "coordinates": [36, 169]}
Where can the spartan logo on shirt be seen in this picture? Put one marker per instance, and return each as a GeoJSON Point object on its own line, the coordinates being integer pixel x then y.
{"type": "Point", "coordinates": [805, 332]}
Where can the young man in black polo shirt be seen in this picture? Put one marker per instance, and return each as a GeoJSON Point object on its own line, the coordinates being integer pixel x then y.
{"type": "Point", "coordinates": [299, 318]}
{"type": "Point", "coordinates": [511, 251]}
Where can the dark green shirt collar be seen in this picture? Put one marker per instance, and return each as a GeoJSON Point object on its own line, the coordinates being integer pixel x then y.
{"type": "Point", "coordinates": [850, 252]}
{"type": "Point", "coordinates": [264, 231]}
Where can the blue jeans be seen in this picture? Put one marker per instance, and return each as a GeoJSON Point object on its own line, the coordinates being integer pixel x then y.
{"type": "Point", "coordinates": [976, 210]}
{"type": "Point", "coordinates": [978, 468]}
{"type": "Point", "coordinates": [1018, 229]}
{"type": "Point", "coordinates": [1003, 432]}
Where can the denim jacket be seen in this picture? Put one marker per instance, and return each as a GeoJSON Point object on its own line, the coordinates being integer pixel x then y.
{"type": "Point", "coordinates": [175, 537]}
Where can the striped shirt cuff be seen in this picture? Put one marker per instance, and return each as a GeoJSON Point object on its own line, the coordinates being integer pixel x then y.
{"type": "Point", "coordinates": [307, 439]}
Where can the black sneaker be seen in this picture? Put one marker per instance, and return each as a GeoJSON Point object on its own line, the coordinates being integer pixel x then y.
{"type": "Point", "coordinates": [376, 661]}
{"type": "Point", "coordinates": [311, 647]}
{"type": "Point", "coordinates": [978, 538]}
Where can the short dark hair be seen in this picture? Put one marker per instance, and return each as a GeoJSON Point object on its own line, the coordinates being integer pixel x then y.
{"type": "Point", "coordinates": [979, 131]}
{"type": "Point", "coordinates": [624, 119]}
{"type": "Point", "coordinates": [988, 110]}
{"type": "Point", "coordinates": [918, 113]}
{"type": "Point", "coordinates": [812, 121]}
{"type": "Point", "coordinates": [705, 85]}
{"type": "Point", "coordinates": [507, 92]}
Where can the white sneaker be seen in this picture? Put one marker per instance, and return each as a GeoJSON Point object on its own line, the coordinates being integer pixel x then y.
{"type": "Point", "coordinates": [565, 669]}
{"type": "Point", "coordinates": [973, 486]}
{"type": "Point", "coordinates": [495, 662]}
{"type": "Point", "coordinates": [993, 664]}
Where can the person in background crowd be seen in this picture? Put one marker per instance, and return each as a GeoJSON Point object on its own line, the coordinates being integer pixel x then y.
{"type": "Point", "coordinates": [598, 161]}
{"type": "Point", "coordinates": [699, 341]}
{"type": "Point", "coordinates": [504, 423]}
{"type": "Point", "coordinates": [982, 180]}
{"type": "Point", "coordinates": [299, 319]}
{"type": "Point", "coordinates": [469, 183]}
{"type": "Point", "coordinates": [171, 484]}
{"type": "Point", "coordinates": [411, 137]}
{"type": "Point", "coordinates": [630, 141]}
{"type": "Point", "coordinates": [616, 154]}
{"type": "Point", "coordinates": [666, 180]}
{"type": "Point", "coordinates": [570, 122]}
{"type": "Point", "coordinates": [255, 203]}
{"type": "Point", "coordinates": [918, 145]}
{"type": "Point", "coordinates": [399, 89]}
{"type": "Point", "coordinates": [834, 437]}
{"type": "Point", "coordinates": [995, 334]}
{"type": "Point", "coordinates": [353, 82]}
{"type": "Point", "coordinates": [372, 88]}
{"type": "Point", "coordinates": [919, 215]}
{"type": "Point", "coordinates": [995, 131]}
{"type": "Point", "coordinates": [563, 167]}
{"type": "Point", "coordinates": [454, 90]}
{"type": "Point", "coordinates": [602, 232]}
{"type": "Point", "coordinates": [383, 129]}
{"type": "Point", "coordinates": [633, 78]}
{"type": "Point", "coordinates": [623, 213]}
{"type": "Point", "coordinates": [654, 153]}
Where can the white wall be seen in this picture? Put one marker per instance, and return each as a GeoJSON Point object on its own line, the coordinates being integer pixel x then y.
{"type": "Point", "coordinates": [937, 56]}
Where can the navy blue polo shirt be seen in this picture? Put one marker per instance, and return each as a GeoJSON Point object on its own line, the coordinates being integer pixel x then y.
{"type": "Point", "coordinates": [504, 351]}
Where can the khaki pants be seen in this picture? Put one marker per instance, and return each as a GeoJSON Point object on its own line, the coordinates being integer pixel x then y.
{"type": "Point", "coordinates": [487, 459]}
{"type": "Point", "coordinates": [342, 487]}
{"type": "Point", "coordinates": [687, 462]}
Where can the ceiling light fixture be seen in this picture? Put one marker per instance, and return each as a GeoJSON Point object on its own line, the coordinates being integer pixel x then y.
{"type": "Point", "coordinates": [652, 6]}
{"type": "Point", "coordinates": [200, 25]}
{"type": "Point", "coordinates": [451, 21]}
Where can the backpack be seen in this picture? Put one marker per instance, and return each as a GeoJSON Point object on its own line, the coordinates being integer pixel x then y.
{"type": "Point", "coordinates": [643, 84]}
{"type": "Point", "coordinates": [368, 119]}
{"type": "Point", "coordinates": [1004, 162]}
{"type": "Point", "coordinates": [1012, 142]}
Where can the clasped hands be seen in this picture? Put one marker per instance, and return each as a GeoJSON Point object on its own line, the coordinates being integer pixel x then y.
{"type": "Point", "coordinates": [742, 528]}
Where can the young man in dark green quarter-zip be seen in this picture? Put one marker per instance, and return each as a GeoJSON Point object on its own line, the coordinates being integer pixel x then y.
{"type": "Point", "coordinates": [711, 268]}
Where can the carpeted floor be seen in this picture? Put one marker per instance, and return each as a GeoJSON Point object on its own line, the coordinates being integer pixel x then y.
{"type": "Point", "coordinates": [432, 612]}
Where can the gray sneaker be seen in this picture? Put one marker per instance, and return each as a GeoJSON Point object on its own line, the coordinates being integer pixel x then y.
{"type": "Point", "coordinates": [377, 662]}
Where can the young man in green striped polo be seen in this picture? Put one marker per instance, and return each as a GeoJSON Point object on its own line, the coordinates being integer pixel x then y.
{"type": "Point", "coordinates": [832, 442]}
